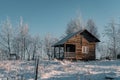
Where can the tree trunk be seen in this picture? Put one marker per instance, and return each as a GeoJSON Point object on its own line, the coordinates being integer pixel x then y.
{"type": "Point", "coordinates": [9, 49]}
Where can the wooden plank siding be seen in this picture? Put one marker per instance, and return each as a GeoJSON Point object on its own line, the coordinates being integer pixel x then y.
{"type": "Point", "coordinates": [79, 41]}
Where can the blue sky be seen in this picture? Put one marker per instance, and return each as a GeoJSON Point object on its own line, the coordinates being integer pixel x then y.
{"type": "Point", "coordinates": [52, 16]}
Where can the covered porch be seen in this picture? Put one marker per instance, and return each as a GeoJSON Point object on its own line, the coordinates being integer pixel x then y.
{"type": "Point", "coordinates": [65, 51]}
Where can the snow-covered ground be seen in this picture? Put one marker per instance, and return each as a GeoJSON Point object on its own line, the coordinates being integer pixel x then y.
{"type": "Point", "coordinates": [61, 70]}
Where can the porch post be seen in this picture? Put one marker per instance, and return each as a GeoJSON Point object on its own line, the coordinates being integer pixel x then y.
{"type": "Point", "coordinates": [75, 52]}
{"type": "Point", "coordinates": [59, 52]}
{"type": "Point", "coordinates": [64, 50]}
{"type": "Point", "coordinates": [54, 53]}
{"type": "Point", "coordinates": [94, 51]}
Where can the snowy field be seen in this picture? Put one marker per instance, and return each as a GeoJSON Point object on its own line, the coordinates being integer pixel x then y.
{"type": "Point", "coordinates": [60, 70]}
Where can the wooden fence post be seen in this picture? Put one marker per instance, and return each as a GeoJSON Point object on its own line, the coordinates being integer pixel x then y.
{"type": "Point", "coordinates": [36, 69]}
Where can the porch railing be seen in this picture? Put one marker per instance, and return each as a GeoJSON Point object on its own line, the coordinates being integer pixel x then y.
{"type": "Point", "coordinates": [70, 54]}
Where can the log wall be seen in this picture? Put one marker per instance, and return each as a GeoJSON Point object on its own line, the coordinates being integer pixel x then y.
{"type": "Point", "coordinates": [79, 41]}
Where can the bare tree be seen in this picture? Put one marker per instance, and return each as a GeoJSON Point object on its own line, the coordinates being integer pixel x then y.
{"type": "Point", "coordinates": [37, 47]}
{"type": "Point", "coordinates": [48, 42]}
{"type": "Point", "coordinates": [25, 45]}
{"type": "Point", "coordinates": [118, 41]}
{"type": "Point", "coordinates": [19, 41]}
{"type": "Point", "coordinates": [6, 37]}
{"type": "Point", "coordinates": [112, 33]}
{"type": "Point", "coordinates": [91, 27]}
{"type": "Point", "coordinates": [22, 40]}
{"type": "Point", "coordinates": [74, 25]}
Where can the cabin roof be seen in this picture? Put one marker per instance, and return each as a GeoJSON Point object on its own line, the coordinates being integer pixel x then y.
{"type": "Point", "coordinates": [87, 35]}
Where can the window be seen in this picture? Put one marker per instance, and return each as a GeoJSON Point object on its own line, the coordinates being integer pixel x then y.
{"type": "Point", "coordinates": [85, 49]}
{"type": "Point", "coordinates": [70, 48]}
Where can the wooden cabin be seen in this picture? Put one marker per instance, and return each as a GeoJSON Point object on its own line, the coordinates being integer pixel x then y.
{"type": "Point", "coordinates": [80, 45]}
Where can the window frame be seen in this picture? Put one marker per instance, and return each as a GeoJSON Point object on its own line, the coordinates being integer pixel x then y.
{"type": "Point", "coordinates": [85, 49]}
